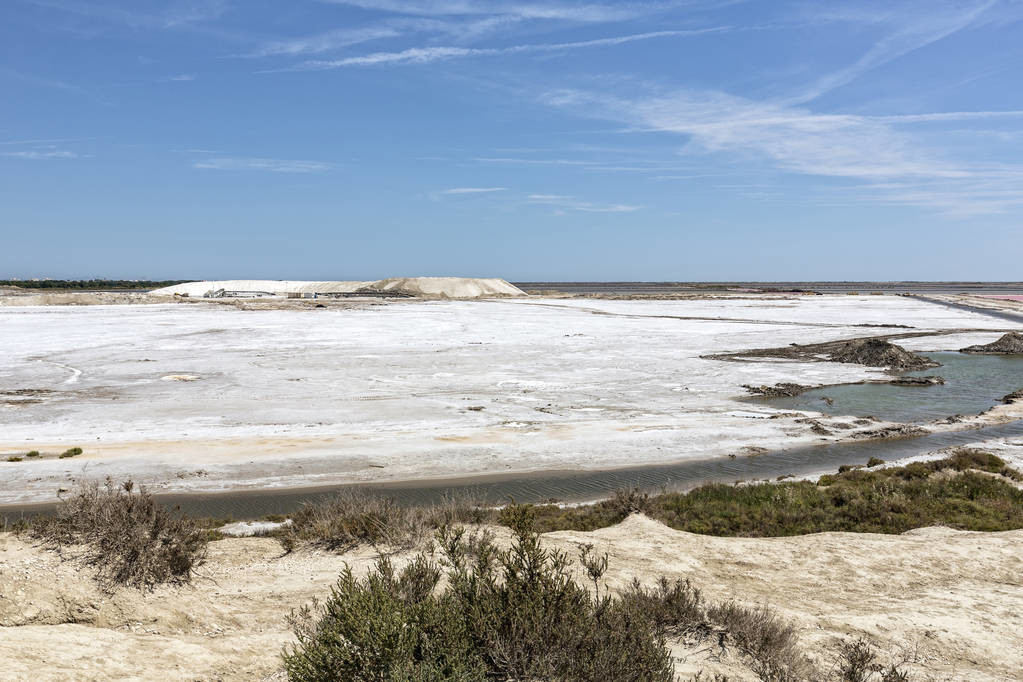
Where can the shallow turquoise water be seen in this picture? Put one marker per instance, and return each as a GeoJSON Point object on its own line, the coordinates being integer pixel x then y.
{"type": "Point", "coordinates": [973, 383]}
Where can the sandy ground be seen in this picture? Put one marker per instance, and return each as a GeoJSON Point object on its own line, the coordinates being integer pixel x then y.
{"type": "Point", "coordinates": [1006, 305]}
{"type": "Point", "coordinates": [208, 397]}
{"type": "Point", "coordinates": [950, 601]}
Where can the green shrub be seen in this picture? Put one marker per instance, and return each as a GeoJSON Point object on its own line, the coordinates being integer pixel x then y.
{"type": "Point", "coordinates": [891, 500]}
{"type": "Point", "coordinates": [14, 458]}
{"type": "Point", "coordinates": [127, 536]}
{"type": "Point", "coordinates": [515, 614]}
{"type": "Point", "coordinates": [70, 452]}
{"type": "Point", "coordinates": [592, 516]}
{"type": "Point", "coordinates": [32, 453]}
{"type": "Point", "coordinates": [875, 462]}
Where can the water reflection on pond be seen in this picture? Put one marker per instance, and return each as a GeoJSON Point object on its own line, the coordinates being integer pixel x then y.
{"type": "Point", "coordinates": [973, 384]}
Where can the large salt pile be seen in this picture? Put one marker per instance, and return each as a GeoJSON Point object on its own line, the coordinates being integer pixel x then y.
{"type": "Point", "coordinates": [258, 286]}
{"type": "Point", "coordinates": [445, 287]}
{"type": "Point", "coordinates": [420, 287]}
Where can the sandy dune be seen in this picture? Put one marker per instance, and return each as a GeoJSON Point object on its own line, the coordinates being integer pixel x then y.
{"type": "Point", "coordinates": [953, 600]}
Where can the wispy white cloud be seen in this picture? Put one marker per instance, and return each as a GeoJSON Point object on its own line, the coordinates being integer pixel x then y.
{"type": "Point", "coordinates": [914, 30]}
{"type": "Point", "coordinates": [47, 142]}
{"type": "Point", "coordinates": [326, 41]}
{"type": "Point", "coordinates": [472, 190]}
{"type": "Point", "coordinates": [536, 162]}
{"type": "Point", "coordinates": [460, 29]}
{"type": "Point", "coordinates": [865, 150]}
{"type": "Point", "coordinates": [261, 164]}
{"type": "Point", "coordinates": [170, 14]}
{"type": "Point", "coordinates": [41, 154]}
{"type": "Point", "coordinates": [794, 139]}
{"type": "Point", "coordinates": [564, 201]}
{"type": "Point", "coordinates": [581, 12]}
{"type": "Point", "coordinates": [425, 55]}
{"type": "Point", "coordinates": [943, 116]}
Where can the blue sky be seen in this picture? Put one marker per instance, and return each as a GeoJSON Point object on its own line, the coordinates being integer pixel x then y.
{"type": "Point", "coordinates": [691, 140]}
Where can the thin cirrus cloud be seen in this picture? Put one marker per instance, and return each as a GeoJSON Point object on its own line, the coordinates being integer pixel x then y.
{"type": "Point", "coordinates": [585, 12]}
{"type": "Point", "coordinates": [471, 190]}
{"type": "Point", "coordinates": [262, 164]}
{"type": "Point", "coordinates": [327, 41]}
{"type": "Point", "coordinates": [565, 201]}
{"type": "Point", "coordinates": [459, 29]}
{"type": "Point", "coordinates": [168, 14]}
{"type": "Point", "coordinates": [426, 55]}
{"type": "Point", "coordinates": [887, 164]}
{"type": "Point", "coordinates": [923, 30]}
{"type": "Point", "coordinates": [41, 154]}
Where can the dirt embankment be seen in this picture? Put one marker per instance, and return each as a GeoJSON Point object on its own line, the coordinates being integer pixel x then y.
{"type": "Point", "coordinates": [1009, 344]}
{"type": "Point", "coordinates": [871, 351]}
{"type": "Point", "coordinates": [949, 601]}
{"type": "Point", "coordinates": [1013, 397]}
{"type": "Point", "coordinates": [34, 297]}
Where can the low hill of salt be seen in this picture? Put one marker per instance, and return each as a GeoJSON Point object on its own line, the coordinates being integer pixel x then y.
{"type": "Point", "coordinates": [445, 287]}
{"type": "Point", "coordinates": [265, 286]}
{"type": "Point", "coordinates": [423, 287]}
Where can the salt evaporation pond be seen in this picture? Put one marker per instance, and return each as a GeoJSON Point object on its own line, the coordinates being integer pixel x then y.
{"type": "Point", "coordinates": [581, 486]}
{"type": "Point", "coordinates": [973, 384]}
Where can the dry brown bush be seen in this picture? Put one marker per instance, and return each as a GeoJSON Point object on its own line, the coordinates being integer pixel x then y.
{"type": "Point", "coordinates": [354, 516]}
{"type": "Point", "coordinates": [125, 534]}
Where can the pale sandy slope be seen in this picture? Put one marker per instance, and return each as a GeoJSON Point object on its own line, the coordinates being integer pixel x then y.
{"type": "Point", "coordinates": [953, 598]}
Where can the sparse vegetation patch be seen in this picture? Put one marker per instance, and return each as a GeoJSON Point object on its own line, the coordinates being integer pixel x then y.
{"type": "Point", "coordinates": [891, 500]}
{"type": "Point", "coordinates": [354, 516]}
{"type": "Point", "coordinates": [519, 614]}
{"type": "Point", "coordinates": [123, 533]}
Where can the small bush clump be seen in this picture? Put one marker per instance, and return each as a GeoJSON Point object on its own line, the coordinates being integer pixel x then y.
{"type": "Point", "coordinates": [128, 537]}
{"type": "Point", "coordinates": [551, 517]}
{"type": "Point", "coordinates": [70, 452]}
{"type": "Point", "coordinates": [518, 614]}
{"type": "Point", "coordinates": [514, 614]}
{"type": "Point", "coordinates": [858, 663]}
{"type": "Point", "coordinates": [874, 462]}
{"type": "Point", "coordinates": [354, 516]}
{"type": "Point", "coordinates": [14, 458]}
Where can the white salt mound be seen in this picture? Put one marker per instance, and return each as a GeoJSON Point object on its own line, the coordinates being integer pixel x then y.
{"type": "Point", "coordinates": [265, 286]}
{"type": "Point", "coordinates": [446, 287]}
{"type": "Point", "coordinates": [424, 287]}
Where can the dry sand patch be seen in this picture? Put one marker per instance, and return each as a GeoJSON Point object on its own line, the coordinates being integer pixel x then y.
{"type": "Point", "coordinates": [954, 599]}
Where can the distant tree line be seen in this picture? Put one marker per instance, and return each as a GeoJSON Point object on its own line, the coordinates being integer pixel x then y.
{"type": "Point", "coordinates": [89, 283]}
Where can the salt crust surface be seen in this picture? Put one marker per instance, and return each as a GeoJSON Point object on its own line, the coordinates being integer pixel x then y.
{"type": "Point", "coordinates": [308, 397]}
